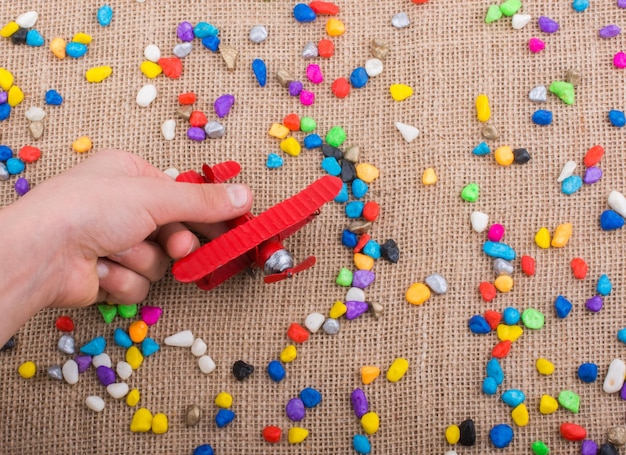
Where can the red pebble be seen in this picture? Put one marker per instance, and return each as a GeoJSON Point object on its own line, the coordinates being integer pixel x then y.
{"type": "Point", "coordinates": [172, 67]}
{"type": "Point", "coordinates": [187, 98]}
{"type": "Point", "coordinates": [292, 121]}
{"type": "Point", "coordinates": [501, 350]}
{"type": "Point", "coordinates": [493, 318]}
{"type": "Point", "coordinates": [325, 48]}
{"type": "Point", "coordinates": [272, 434]}
{"type": "Point", "coordinates": [419, 1]}
{"type": "Point", "coordinates": [327, 8]}
{"type": "Point", "coordinates": [371, 210]}
{"type": "Point", "coordinates": [593, 156]}
{"type": "Point", "coordinates": [362, 242]}
{"type": "Point", "coordinates": [341, 87]}
{"type": "Point", "coordinates": [29, 154]}
{"type": "Point", "coordinates": [297, 333]}
{"type": "Point", "coordinates": [65, 324]}
{"type": "Point", "coordinates": [572, 432]}
{"type": "Point", "coordinates": [579, 268]}
{"type": "Point", "coordinates": [488, 291]}
{"type": "Point", "coordinates": [528, 265]}
{"type": "Point", "coordinates": [197, 118]}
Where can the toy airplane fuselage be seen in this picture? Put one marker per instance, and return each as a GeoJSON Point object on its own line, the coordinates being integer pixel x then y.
{"type": "Point", "coordinates": [253, 241]}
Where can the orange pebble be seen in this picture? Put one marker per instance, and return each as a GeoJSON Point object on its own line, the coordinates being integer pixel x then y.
{"type": "Point", "coordinates": [593, 156]}
{"type": "Point", "coordinates": [579, 268]}
{"type": "Point", "coordinates": [501, 350]}
{"type": "Point", "coordinates": [362, 242]}
{"type": "Point", "coordinates": [371, 211]}
{"type": "Point", "coordinates": [369, 373]}
{"type": "Point", "coordinates": [493, 318]}
{"type": "Point", "coordinates": [324, 8]}
{"type": "Point", "coordinates": [138, 331]}
{"type": "Point", "coordinates": [172, 67]}
{"type": "Point", "coordinates": [292, 121]}
{"type": "Point", "coordinates": [297, 333]}
{"type": "Point", "coordinates": [29, 154]}
{"type": "Point", "coordinates": [487, 290]}
{"type": "Point", "coordinates": [325, 48]}
{"type": "Point", "coordinates": [187, 98]}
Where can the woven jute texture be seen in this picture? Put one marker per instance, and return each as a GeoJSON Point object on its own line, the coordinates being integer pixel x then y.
{"type": "Point", "coordinates": [448, 55]}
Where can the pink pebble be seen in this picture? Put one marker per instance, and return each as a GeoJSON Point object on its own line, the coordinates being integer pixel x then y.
{"type": "Point", "coordinates": [496, 232]}
{"type": "Point", "coordinates": [307, 98]}
{"type": "Point", "coordinates": [620, 60]}
{"type": "Point", "coordinates": [536, 45]}
{"type": "Point", "coordinates": [150, 314]}
{"type": "Point", "coordinates": [314, 73]}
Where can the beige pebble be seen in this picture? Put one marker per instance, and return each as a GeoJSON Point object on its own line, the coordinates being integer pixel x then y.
{"type": "Point", "coordinates": [376, 309]}
{"type": "Point", "coordinates": [192, 416]}
{"type": "Point", "coordinates": [185, 111]}
{"type": "Point", "coordinates": [360, 227]}
{"type": "Point", "coordinates": [36, 129]}
{"type": "Point", "coordinates": [352, 153]}
{"type": "Point", "coordinates": [573, 76]}
{"type": "Point", "coordinates": [490, 132]}
{"type": "Point", "coordinates": [229, 54]}
{"type": "Point", "coordinates": [379, 48]}
{"type": "Point", "coordinates": [284, 77]}
{"type": "Point", "coordinates": [617, 436]}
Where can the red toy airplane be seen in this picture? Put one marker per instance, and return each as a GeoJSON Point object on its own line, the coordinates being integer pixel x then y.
{"type": "Point", "coordinates": [253, 240]}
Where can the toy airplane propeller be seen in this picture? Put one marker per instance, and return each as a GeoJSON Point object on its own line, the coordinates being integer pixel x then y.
{"type": "Point", "coordinates": [253, 241]}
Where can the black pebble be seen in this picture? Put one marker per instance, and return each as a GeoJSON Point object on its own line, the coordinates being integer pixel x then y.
{"type": "Point", "coordinates": [521, 156]}
{"type": "Point", "coordinates": [608, 449]}
{"type": "Point", "coordinates": [468, 433]}
{"type": "Point", "coordinates": [8, 345]}
{"type": "Point", "coordinates": [19, 37]}
{"type": "Point", "coordinates": [390, 251]}
{"type": "Point", "coordinates": [348, 171]}
{"type": "Point", "coordinates": [242, 370]}
{"type": "Point", "coordinates": [329, 150]}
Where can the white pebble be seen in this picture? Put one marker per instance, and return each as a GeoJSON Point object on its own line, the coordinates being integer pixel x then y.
{"type": "Point", "coordinates": [479, 221]}
{"type": "Point", "coordinates": [409, 133]}
{"type": "Point", "coordinates": [35, 114]}
{"type": "Point", "coordinates": [258, 34]}
{"type": "Point", "coordinates": [437, 283]}
{"type": "Point", "coordinates": [451, 452]}
{"type": "Point", "coordinates": [355, 294]}
{"type": "Point", "coordinates": [118, 390]}
{"type": "Point", "coordinates": [101, 360]}
{"type": "Point", "coordinates": [172, 172]}
{"type": "Point", "coordinates": [617, 202]}
{"type": "Point", "coordinates": [168, 128]}
{"type": "Point", "coordinates": [538, 94]}
{"type": "Point", "coordinates": [124, 370]}
{"type": "Point", "coordinates": [313, 322]}
{"type": "Point", "coordinates": [95, 403]}
{"type": "Point", "coordinates": [198, 348]}
{"type": "Point", "coordinates": [27, 20]}
{"type": "Point", "coordinates": [70, 371]}
{"type": "Point", "coordinates": [520, 21]}
{"type": "Point", "coordinates": [400, 20]}
{"type": "Point", "coordinates": [146, 95]}
{"type": "Point", "coordinates": [310, 50]}
{"type": "Point", "coordinates": [568, 170]}
{"type": "Point", "coordinates": [152, 53]}
{"type": "Point", "coordinates": [373, 67]}
{"type": "Point", "coordinates": [182, 339]}
{"type": "Point", "coordinates": [614, 379]}
{"type": "Point", "coordinates": [206, 364]}
{"type": "Point", "coordinates": [182, 50]}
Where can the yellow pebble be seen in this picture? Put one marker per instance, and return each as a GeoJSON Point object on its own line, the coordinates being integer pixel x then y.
{"type": "Point", "coordinates": [98, 73]}
{"type": "Point", "coordinates": [9, 29]}
{"type": "Point", "coordinates": [82, 38]}
{"type": "Point", "coordinates": [159, 423]}
{"type": "Point", "coordinates": [542, 238]}
{"type": "Point", "coordinates": [483, 111]}
{"type": "Point", "coordinates": [224, 400]}
{"type": "Point", "coordinates": [544, 366]}
{"type": "Point", "coordinates": [504, 155]}
{"type": "Point", "coordinates": [57, 46]}
{"type": "Point", "coordinates": [133, 398]}
{"type": "Point", "coordinates": [27, 370]}
{"type": "Point", "coordinates": [134, 357]}
{"type": "Point", "coordinates": [337, 310]}
{"type": "Point", "coordinates": [561, 235]}
{"type": "Point", "coordinates": [142, 421]}
{"type": "Point", "coordinates": [520, 415]}
{"type": "Point", "coordinates": [397, 369]}
{"type": "Point", "coordinates": [6, 79]}
{"type": "Point", "coordinates": [400, 92]}
{"type": "Point", "coordinates": [334, 27]}
{"type": "Point", "coordinates": [288, 354]}
{"type": "Point", "coordinates": [297, 435]}
{"type": "Point", "coordinates": [367, 172]}
{"type": "Point", "coordinates": [278, 131]}
{"type": "Point", "coordinates": [429, 177]}
{"type": "Point", "coordinates": [363, 261]}
{"type": "Point", "coordinates": [16, 96]}
{"type": "Point", "coordinates": [503, 283]}
{"type": "Point", "coordinates": [82, 144]}
{"type": "Point", "coordinates": [453, 434]}
{"type": "Point", "coordinates": [548, 404]}
{"type": "Point", "coordinates": [150, 69]}
{"type": "Point", "coordinates": [370, 422]}
{"type": "Point", "coordinates": [417, 293]}
{"type": "Point", "coordinates": [290, 146]}
{"type": "Point", "coordinates": [509, 332]}
{"type": "Point", "coordinates": [369, 373]}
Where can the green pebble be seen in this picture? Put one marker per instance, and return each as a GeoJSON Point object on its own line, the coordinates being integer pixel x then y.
{"type": "Point", "coordinates": [510, 7]}
{"type": "Point", "coordinates": [307, 124]}
{"type": "Point", "coordinates": [493, 14]}
{"type": "Point", "coordinates": [533, 319]}
{"type": "Point", "coordinates": [540, 448]}
{"type": "Point", "coordinates": [108, 312]}
{"type": "Point", "coordinates": [127, 311]}
{"type": "Point", "coordinates": [344, 278]}
{"type": "Point", "coordinates": [470, 192]}
{"type": "Point", "coordinates": [564, 90]}
{"type": "Point", "coordinates": [336, 136]}
{"type": "Point", "coordinates": [569, 400]}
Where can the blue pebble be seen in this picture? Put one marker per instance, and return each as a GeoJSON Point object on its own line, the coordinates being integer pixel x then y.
{"type": "Point", "coordinates": [604, 286]}
{"type": "Point", "coordinates": [224, 417]}
{"type": "Point", "coordinates": [75, 50]}
{"type": "Point", "coordinates": [498, 250]}
{"type": "Point", "coordinates": [359, 77]}
{"type": "Point", "coordinates": [34, 38]}
{"type": "Point", "coordinates": [53, 98]}
{"type": "Point", "coordinates": [490, 386]}
{"type": "Point", "coordinates": [310, 397]}
{"type": "Point", "coordinates": [481, 149]}
{"type": "Point", "coordinates": [617, 118]}
{"type": "Point", "coordinates": [478, 324]}
{"type": "Point", "coordinates": [331, 165]}
{"type": "Point", "coordinates": [343, 194]}
{"type": "Point", "coordinates": [494, 370]}
{"type": "Point", "coordinates": [580, 5]}
{"type": "Point", "coordinates": [5, 153]}
{"type": "Point", "coordinates": [562, 307]}
{"type": "Point", "coordinates": [211, 42]}
{"type": "Point", "coordinates": [312, 141]}
{"type": "Point", "coordinates": [571, 184]}
{"type": "Point", "coordinates": [611, 220]}
{"type": "Point", "coordinates": [121, 338]}
{"type": "Point", "coordinates": [5, 111]}
{"type": "Point", "coordinates": [204, 29]}
{"type": "Point", "coordinates": [621, 335]}
{"type": "Point", "coordinates": [513, 397]}
{"type": "Point", "coordinates": [149, 347]}
{"type": "Point", "coordinates": [354, 209]}
{"type": "Point", "coordinates": [260, 71]}
{"type": "Point", "coordinates": [361, 444]}
{"type": "Point", "coordinates": [104, 15]}
{"type": "Point", "coordinates": [15, 166]}
{"type": "Point", "coordinates": [94, 347]}
{"type": "Point", "coordinates": [372, 249]}
{"type": "Point", "coordinates": [588, 372]}
{"type": "Point", "coordinates": [349, 238]}
{"type": "Point", "coordinates": [274, 161]}
{"type": "Point", "coordinates": [276, 371]}
{"type": "Point", "coordinates": [510, 316]}
{"type": "Point", "coordinates": [542, 117]}
{"type": "Point", "coordinates": [304, 13]}
{"type": "Point", "coordinates": [204, 449]}
{"type": "Point", "coordinates": [501, 435]}
{"type": "Point", "coordinates": [359, 188]}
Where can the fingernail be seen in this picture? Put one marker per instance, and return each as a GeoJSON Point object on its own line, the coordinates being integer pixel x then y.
{"type": "Point", "coordinates": [238, 195]}
{"type": "Point", "coordinates": [102, 269]}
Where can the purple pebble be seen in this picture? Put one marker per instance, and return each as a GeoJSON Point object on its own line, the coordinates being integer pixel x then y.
{"type": "Point", "coordinates": [295, 409]}
{"type": "Point", "coordinates": [592, 175]}
{"type": "Point", "coordinates": [621, 3]}
{"type": "Point", "coordinates": [610, 31]}
{"type": "Point", "coordinates": [4, 97]}
{"type": "Point", "coordinates": [223, 104]}
{"type": "Point", "coordinates": [196, 133]}
{"type": "Point", "coordinates": [105, 375]}
{"type": "Point", "coordinates": [355, 309]}
{"type": "Point", "coordinates": [295, 87]}
{"type": "Point", "coordinates": [22, 186]}
{"type": "Point", "coordinates": [548, 25]}
{"type": "Point", "coordinates": [594, 304]}
{"type": "Point", "coordinates": [622, 392]}
{"type": "Point", "coordinates": [363, 278]}
{"type": "Point", "coordinates": [359, 402]}
{"type": "Point", "coordinates": [83, 362]}
{"type": "Point", "coordinates": [185, 31]}
{"type": "Point", "coordinates": [588, 447]}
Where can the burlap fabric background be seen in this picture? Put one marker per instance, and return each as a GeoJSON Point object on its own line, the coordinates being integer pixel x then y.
{"type": "Point", "coordinates": [448, 55]}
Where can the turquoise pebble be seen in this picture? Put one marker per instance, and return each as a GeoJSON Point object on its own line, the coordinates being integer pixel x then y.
{"type": "Point", "coordinates": [149, 347]}
{"type": "Point", "coordinates": [513, 397]}
{"type": "Point", "coordinates": [372, 249]}
{"type": "Point", "coordinates": [104, 15]}
{"type": "Point", "coordinates": [331, 165]}
{"type": "Point", "coordinates": [610, 220]}
{"type": "Point", "coordinates": [343, 194]}
{"type": "Point", "coordinates": [481, 149]}
{"type": "Point", "coordinates": [15, 166]}
{"type": "Point", "coordinates": [542, 117]}
{"type": "Point", "coordinates": [34, 38]}
{"type": "Point", "coordinates": [312, 141]}
{"type": "Point", "coordinates": [359, 188]}
{"type": "Point", "coordinates": [94, 347]}
{"type": "Point", "coordinates": [354, 209]}
{"type": "Point", "coordinates": [211, 42]}
{"type": "Point", "coordinates": [310, 397]}
{"type": "Point", "coordinates": [204, 29]}
{"type": "Point", "coordinates": [604, 286]}
{"type": "Point", "coordinates": [588, 372]}
{"type": "Point", "coordinates": [224, 417]}
{"type": "Point", "coordinates": [260, 71]}
{"type": "Point", "coordinates": [621, 335]}
{"type": "Point", "coordinates": [562, 306]}
{"type": "Point", "coordinates": [304, 13]}
{"type": "Point", "coordinates": [75, 50]}
{"type": "Point", "coordinates": [359, 77]}
{"type": "Point", "coordinates": [5, 152]}
{"type": "Point", "coordinates": [361, 444]}
{"type": "Point", "coordinates": [617, 118]}
{"type": "Point", "coordinates": [498, 250]}
{"type": "Point", "coordinates": [580, 5]}
{"type": "Point", "coordinates": [490, 386]}
{"type": "Point", "coordinates": [571, 184]}
{"type": "Point", "coordinates": [204, 449]}
{"type": "Point", "coordinates": [349, 238]}
{"type": "Point", "coordinates": [274, 161]}
{"type": "Point", "coordinates": [276, 371]}
{"type": "Point", "coordinates": [478, 324]}
{"type": "Point", "coordinates": [53, 98]}
{"type": "Point", "coordinates": [121, 338]}
{"type": "Point", "coordinates": [5, 111]}
{"type": "Point", "coordinates": [494, 370]}
{"type": "Point", "coordinates": [501, 435]}
{"type": "Point", "coordinates": [510, 316]}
